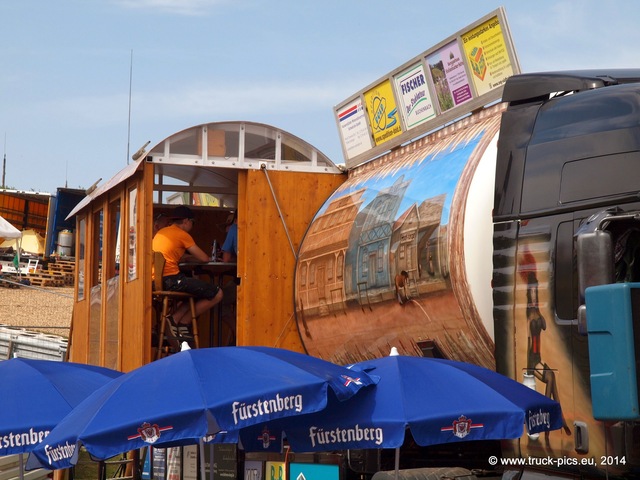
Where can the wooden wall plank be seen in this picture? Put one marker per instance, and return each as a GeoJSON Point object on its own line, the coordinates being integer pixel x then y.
{"type": "Point", "coordinates": [266, 263]}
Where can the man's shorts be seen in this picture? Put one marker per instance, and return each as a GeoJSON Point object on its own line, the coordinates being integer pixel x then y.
{"type": "Point", "coordinates": [196, 287]}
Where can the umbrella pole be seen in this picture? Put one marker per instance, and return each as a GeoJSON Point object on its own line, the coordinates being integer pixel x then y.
{"type": "Point", "coordinates": [397, 462]}
{"type": "Point", "coordinates": [203, 474]}
{"type": "Point", "coordinates": [21, 460]}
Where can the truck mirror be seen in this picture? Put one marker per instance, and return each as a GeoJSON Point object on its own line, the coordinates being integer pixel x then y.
{"type": "Point", "coordinates": [613, 322]}
{"type": "Point", "coordinates": [595, 260]}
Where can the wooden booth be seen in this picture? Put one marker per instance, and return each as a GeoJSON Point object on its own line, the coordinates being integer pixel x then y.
{"type": "Point", "coordinates": [273, 181]}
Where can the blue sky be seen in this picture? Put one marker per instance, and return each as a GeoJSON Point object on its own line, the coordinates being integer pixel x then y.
{"type": "Point", "coordinates": [65, 67]}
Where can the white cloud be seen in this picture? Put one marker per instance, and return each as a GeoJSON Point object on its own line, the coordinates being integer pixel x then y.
{"type": "Point", "coordinates": [239, 99]}
{"type": "Point", "coordinates": [181, 7]}
{"type": "Point", "coordinates": [209, 101]}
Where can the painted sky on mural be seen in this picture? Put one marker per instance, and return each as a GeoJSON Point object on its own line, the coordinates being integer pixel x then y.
{"type": "Point", "coordinates": [433, 175]}
{"type": "Point", "coordinates": [67, 117]}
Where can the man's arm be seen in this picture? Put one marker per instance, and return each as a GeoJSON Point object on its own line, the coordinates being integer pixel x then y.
{"type": "Point", "coordinates": [230, 245]}
{"type": "Point", "coordinates": [228, 257]}
{"type": "Point", "coordinates": [198, 254]}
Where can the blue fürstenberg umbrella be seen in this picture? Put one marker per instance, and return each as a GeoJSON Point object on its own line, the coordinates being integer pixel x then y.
{"type": "Point", "coordinates": [440, 401]}
{"type": "Point", "coordinates": [184, 397]}
{"type": "Point", "coordinates": [38, 394]}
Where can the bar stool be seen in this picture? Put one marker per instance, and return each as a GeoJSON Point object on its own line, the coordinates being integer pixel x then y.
{"type": "Point", "coordinates": [168, 299]}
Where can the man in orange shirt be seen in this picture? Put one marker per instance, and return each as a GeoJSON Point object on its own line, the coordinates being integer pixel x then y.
{"type": "Point", "coordinates": [161, 221]}
{"type": "Point", "coordinates": [176, 245]}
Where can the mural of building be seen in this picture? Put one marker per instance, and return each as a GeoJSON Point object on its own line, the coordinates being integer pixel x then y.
{"type": "Point", "coordinates": [372, 270]}
{"type": "Point", "coordinates": [433, 261]}
{"type": "Point", "coordinates": [409, 217]}
{"type": "Point", "coordinates": [418, 246]}
{"type": "Point", "coordinates": [320, 283]}
{"type": "Point", "coordinates": [404, 246]}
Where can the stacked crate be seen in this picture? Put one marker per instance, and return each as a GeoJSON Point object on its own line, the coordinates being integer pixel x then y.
{"type": "Point", "coordinates": [60, 273]}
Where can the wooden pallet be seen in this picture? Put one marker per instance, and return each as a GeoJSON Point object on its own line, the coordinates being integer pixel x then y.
{"type": "Point", "coordinates": [64, 268]}
{"type": "Point", "coordinates": [64, 264]}
{"type": "Point", "coordinates": [46, 279]}
{"type": "Point", "coordinates": [12, 280]}
{"type": "Point", "coordinates": [56, 267]}
{"type": "Point", "coordinates": [67, 277]}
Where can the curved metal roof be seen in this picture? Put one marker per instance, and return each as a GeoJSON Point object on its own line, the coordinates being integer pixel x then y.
{"type": "Point", "coordinates": [206, 158]}
{"type": "Point", "coordinates": [240, 145]}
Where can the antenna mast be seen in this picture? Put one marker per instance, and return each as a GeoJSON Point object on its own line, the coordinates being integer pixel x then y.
{"type": "Point", "coordinates": [129, 120]}
{"type": "Point", "coordinates": [4, 161]}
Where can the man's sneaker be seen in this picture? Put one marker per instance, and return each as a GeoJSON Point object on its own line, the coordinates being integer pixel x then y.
{"type": "Point", "coordinates": [184, 331]}
{"type": "Point", "coordinates": [172, 335]}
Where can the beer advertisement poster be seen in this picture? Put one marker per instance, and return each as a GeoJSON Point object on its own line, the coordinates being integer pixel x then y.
{"type": "Point", "coordinates": [414, 96]}
{"type": "Point", "coordinates": [383, 112]}
{"type": "Point", "coordinates": [486, 52]}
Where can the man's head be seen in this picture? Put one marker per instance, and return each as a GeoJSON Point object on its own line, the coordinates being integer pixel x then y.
{"type": "Point", "coordinates": [161, 221]}
{"type": "Point", "coordinates": [231, 219]}
{"type": "Point", "coordinates": [183, 216]}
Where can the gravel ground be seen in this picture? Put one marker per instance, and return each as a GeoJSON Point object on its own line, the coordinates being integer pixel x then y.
{"type": "Point", "coordinates": [46, 310]}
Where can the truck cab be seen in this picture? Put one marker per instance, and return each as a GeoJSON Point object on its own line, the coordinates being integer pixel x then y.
{"type": "Point", "coordinates": [500, 226]}
{"type": "Point", "coordinates": [566, 220]}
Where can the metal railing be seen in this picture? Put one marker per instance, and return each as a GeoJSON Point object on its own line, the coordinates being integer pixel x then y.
{"type": "Point", "coordinates": [21, 343]}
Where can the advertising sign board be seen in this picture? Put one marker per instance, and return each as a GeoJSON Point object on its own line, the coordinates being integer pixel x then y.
{"type": "Point", "coordinates": [488, 56]}
{"type": "Point", "coordinates": [275, 471]}
{"type": "Point", "coordinates": [459, 75]}
{"type": "Point", "coordinates": [353, 128]}
{"type": "Point", "coordinates": [313, 471]}
{"type": "Point", "coordinates": [383, 113]}
{"type": "Point", "coordinates": [225, 461]}
{"type": "Point", "coordinates": [415, 98]}
{"type": "Point", "coordinates": [449, 77]}
{"type": "Point", "coordinates": [253, 470]}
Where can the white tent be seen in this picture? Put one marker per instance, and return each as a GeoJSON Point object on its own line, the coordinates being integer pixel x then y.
{"type": "Point", "coordinates": [8, 231]}
{"type": "Point", "coordinates": [32, 242]}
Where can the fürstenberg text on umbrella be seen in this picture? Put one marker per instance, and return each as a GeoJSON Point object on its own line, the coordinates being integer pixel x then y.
{"type": "Point", "coordinates": [59, 452]}
{"type": "Point", "coordinates": [31, 437]}
{"type": "Point", "coordinates": [264, 407]}
{"type": "Point", "coordinates": [345, 435]}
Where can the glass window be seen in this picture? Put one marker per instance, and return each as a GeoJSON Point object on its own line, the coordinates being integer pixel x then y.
{"type": "Point", "coordinates": [95, 309]}
{"type": "Point", "coordinates": [112, 327]}
{"type": "Point", "coordinates": [259, 142]}
{"type": "Point", "coordinates": [409, 262]}
{"type": "Point", "coordinates": [132, 261]}
{"type": "Point", "coordinates": [112, 310]}
{"type": "Point", "coordinates": [312, 275]}
{"type": "Point", "coordinates": [82, 238]}
{"type": "Point", "coordinates": [303, 275]}
{"type": "Point", "coordinates": [95, 317]}
{"type": "Point", "coordinates": [113, 264]}
{"type": "Point", "coordinates": [365, 263]}
{"type": "Point", "coordinates": [96, 248]}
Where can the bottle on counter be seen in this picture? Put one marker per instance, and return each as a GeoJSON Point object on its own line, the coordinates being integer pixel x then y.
{"type": "Point", "coordinates": [214, 251]}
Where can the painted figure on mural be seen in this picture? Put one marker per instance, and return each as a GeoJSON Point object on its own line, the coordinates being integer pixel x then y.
{"type": "Point", "coordinates": [536, 324]}
{"type": "Point", "coordinates": [402, 280]}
